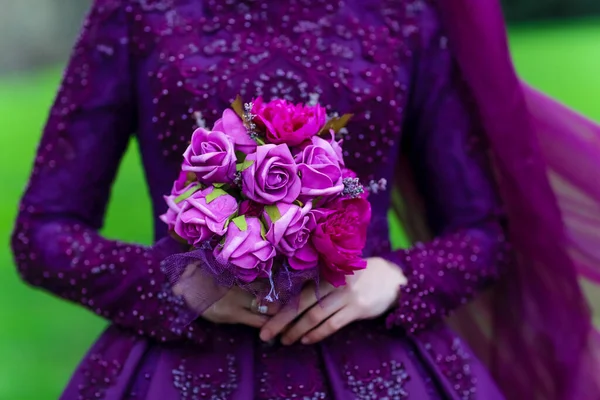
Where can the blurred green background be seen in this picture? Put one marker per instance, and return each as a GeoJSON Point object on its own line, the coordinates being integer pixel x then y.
{"type": "Point", "coordinates": [42, 339]}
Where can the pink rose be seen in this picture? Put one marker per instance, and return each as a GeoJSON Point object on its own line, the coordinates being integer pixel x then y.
{"type": "Point", "coordinates": [247, 250]}
{"type": "Point", "coordinates": [339, 238]}
{"type": "Point", "coordinates": [320, 171]}
{"type": "Point", "coordinates": [290, 233]}
{"type": "Point", "coordinates": [211, 156]}
{"type": "Point", "coordinates": [231, 124]}
{"type": "Point", "coordinates": [198, 220]}
{"type": "Point", "coordinates": [272, 175]}
{"type": "Point", "coordinates": [287, 123]}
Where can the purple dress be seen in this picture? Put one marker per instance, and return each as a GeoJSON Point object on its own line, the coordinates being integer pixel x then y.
{"type": "Point", "coordinates": [146, 68]}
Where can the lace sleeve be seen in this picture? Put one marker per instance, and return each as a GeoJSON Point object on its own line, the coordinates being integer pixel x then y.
{"type": "Point", "coordinates": [56, 242]}
{"type": "Point", "coordinates": [450, 167]}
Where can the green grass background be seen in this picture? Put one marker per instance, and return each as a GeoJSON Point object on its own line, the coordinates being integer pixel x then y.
{"type": "Point", "coordinates": [42, 338]}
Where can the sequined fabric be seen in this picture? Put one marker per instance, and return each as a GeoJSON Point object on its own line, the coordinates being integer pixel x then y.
{"type": "Point", "coordinates": [150, 69]}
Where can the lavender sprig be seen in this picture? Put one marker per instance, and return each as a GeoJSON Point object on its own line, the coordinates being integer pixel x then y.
{"type": "Point", "coordinates": [249, 120]}
{"type": "Point", "coordinates": [313, 99]}
{"type": "Point", "coordinates": [200, 121]}
{"type": "Point", "coordinates": [377, 186]}
{"type": "Point", "coordinates": [237, 179]}
{"type": "Point", "coordinates": [352, 188]}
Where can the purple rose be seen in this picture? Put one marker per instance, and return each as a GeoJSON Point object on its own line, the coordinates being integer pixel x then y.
{"type": "Point", "coordinates": [197, 219]}
{"type": "Point", "coordinates": [271, 176]}
{"type": "Point", "coordinates": [184, 182]}
{"type": "Point", "coordinates": [337, 147]}
{"type": "Point", "coordinates": [211, 156]}
{"type": "Point", "coordinates": [305, 258]}
{"type": "Point", "coordinates": [320, 171]}
{"type": "Point", "coordinates": [245, 248]}
{"type": "Point", "coordinates": [288, 123]}
{"type": "Point", "coordinates": [289, 228]}
{"type": "Point", "coordinates": [231, 124]}
{"type": "Point", "coordinates": [170, 217]}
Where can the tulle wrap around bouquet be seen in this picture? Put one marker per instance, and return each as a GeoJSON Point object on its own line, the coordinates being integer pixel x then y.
{"type": "Point", "coordinates": [265, 202]}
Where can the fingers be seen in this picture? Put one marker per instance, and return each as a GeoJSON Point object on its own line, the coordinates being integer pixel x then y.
{"type": "Point", "coordinates": [239, 297]}
{"type": "Point", "coordinates": [314, 317]}
{"type": "Point", "coordinates": [243, 299]}
{"type": "Point", "coordinates": [188, 280]}
{"type": "Point", "coordinates": [249, 318]}
{"type": "Point", "coordinates": [278, 322]}
{"type": "Point", "coordinates": [264, 308]}
{"type": "Point", "coordinates": [234, 308]}
{"type": "Point", "coordinates": [286, 316]}
{"type": "Point", "coordinates": [337, 321]}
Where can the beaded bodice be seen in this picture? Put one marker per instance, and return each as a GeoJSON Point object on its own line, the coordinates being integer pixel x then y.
{"type": "Point", "coordinates": [192, 58]}
{"type": "Point", "coordinates": [289, 49]}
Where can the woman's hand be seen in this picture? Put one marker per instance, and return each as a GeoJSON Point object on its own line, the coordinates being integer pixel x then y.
{"type": "Point", "coordinates": [239, 307]}
{"type": "Point", "coordinates": [235, 307]}
{"type": "Point", "coordinates": [367, 294]}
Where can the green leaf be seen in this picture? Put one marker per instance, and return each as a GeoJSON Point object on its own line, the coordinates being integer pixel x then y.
{"type": "Point", "coordinates": [177, 237]}
{"type": "Point", "coordinates": [190, 178]}
{"type": "Point", "coordinates": [273, 213]}
{"type": "Point", "coordinates": [241, 223]}
{"type": "Point", "coordinates": [223, 186]}
{"type": "Point", "coordinates": [238, 106]}
{"type": "Point", "coordinates": [216, 193]}
{"type": "Point", "coordinates": [259, 141]}
{"type": "Point", "coordinates": [240, 156]}
{"type": "Point", "coordinates": [231, 217]}
{"type": "Point", "coordinates": [298, 203]}
{"type": "Point", "coordinates": [244, 166]}
{"type": "Point", "coordinates": [263, 231]}
{"type": "Point", "coordinates": [336, 124]}
{"type": "Point", "coordinates": [187, 193]}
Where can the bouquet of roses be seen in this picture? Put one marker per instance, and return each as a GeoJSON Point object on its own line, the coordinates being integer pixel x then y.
{"type": "Point", "coordinates": [265, 202]}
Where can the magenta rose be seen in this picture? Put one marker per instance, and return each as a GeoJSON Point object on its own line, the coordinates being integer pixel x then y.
{"type": "Point", "coordinates": [319, 169]}
{"type": "Point", "coordinates": [288, 123]}
{"type": "Point", "coordinates": [348, 173]}
{"type": "Point", "coordinates": [289, 229]}
{"type": "Point", "coordinates": [250, 208]}
{"type": "Point", "coordinates": [246, 249]}
{"type": "Point", "coordinates": [231, 124]}
{"type": "Point", "coordinates": [198, 220]}
{"type": "Point", "coordinates": [339, 238]}
{"type": "Point", "coordinates": [211, 156]}
{"type": "Point", "coordinates": [271, 176]}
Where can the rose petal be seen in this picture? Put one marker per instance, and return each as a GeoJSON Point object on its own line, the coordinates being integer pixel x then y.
{"type": "Point", "coordinates": [305, 258]}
